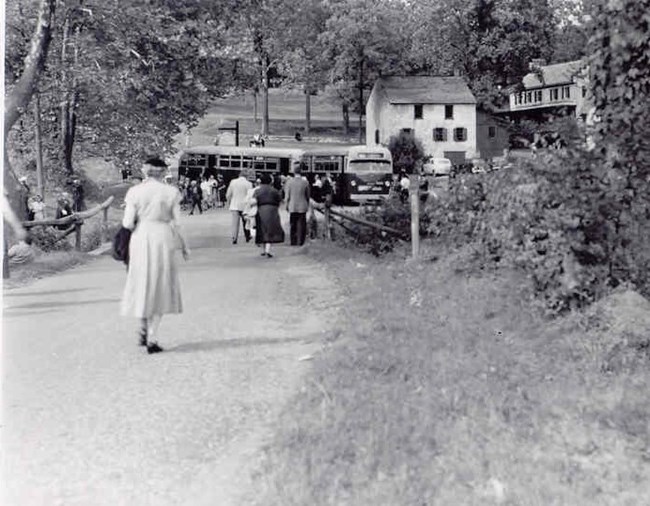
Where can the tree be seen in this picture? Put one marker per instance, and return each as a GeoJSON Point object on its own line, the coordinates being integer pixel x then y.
{"type": "Point", "coordinates": [302, 61]}
{"type": "Point", "coordinates": [363, 40]}
{"type": "Point", "coordinates": [123, 93]}
{"type": "Point", "coordinates": [490, 42]}
{"type": "Point", "coordinates": [407, 152]}
{"type": "Point", "coordinates": [20, 93]}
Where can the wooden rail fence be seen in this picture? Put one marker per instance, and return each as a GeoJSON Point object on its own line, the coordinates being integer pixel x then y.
{"type": "Point", "coordinates": [334, 216]}
{"type": "Point", "coordinates": [76, 220]}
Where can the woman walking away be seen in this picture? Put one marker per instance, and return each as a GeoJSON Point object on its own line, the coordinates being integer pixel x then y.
{"type": "Point", "coordinates": [267, 221]}
{"type": "Point", "coordinates": [152, 288]}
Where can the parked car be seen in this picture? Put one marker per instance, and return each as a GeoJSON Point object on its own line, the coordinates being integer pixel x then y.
{"type": "Point", "coordinates": [438, 167]}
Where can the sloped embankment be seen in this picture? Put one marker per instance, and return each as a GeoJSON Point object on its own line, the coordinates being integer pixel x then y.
{"type": "Point", "coordinates": [447, 388]}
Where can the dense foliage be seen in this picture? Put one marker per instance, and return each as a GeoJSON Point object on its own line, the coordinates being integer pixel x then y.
{"type": "Point", "coordinates": [407, 152]}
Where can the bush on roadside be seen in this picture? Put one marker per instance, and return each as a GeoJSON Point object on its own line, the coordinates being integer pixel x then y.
{"type": "Point", "coordinates": [47, 239]}
{"type": "Point", "coordinates": [394, 214]}
{"type": "Point", "coordinates": [568, 219]}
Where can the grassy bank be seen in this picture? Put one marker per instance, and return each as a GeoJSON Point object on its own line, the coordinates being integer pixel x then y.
{"type": "Point", "coordinates": [44, 264]}
{"type": "Point", "coordinates": [445, 387]}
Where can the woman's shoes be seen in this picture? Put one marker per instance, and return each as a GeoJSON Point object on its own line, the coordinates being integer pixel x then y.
{"type": "Point", "coordinates": [154, 348]}
{"type": "Point", "coordinates": [267, 255]}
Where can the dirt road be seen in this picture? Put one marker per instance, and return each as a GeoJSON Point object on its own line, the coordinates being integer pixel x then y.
{"type": "Point", "coordinates": [90, 419]}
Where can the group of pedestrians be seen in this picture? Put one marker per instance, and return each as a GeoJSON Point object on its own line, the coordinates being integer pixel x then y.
{"type": "Point", "coordinates": [258, 208]}
{"type": "Point", "coordinates": [202, 194]}
{"type": "Point", "coordinates": [152, 212]}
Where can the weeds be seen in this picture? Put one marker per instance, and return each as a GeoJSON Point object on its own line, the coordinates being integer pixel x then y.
{"type": "Point", "coordinates": [466, 396]}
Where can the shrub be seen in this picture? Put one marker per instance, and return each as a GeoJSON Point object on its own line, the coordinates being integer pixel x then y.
{"type": "Point", "coordinates": [45, 239]}
{"type": "Point", "coordinates": [393, 213]}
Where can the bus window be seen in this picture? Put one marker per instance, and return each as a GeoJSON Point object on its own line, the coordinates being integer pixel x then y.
{"type": "Point", "coordinates": [369, 167]}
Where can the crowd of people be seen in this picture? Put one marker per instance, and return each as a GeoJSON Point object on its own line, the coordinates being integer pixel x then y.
{"type": "Point", "coordinates": [32, 207]}
{"type": "Point", "coordinates": [152, 211]}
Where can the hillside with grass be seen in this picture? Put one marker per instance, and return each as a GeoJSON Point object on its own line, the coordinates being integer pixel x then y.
{"type": "Point", "coordinates": [444, 385]}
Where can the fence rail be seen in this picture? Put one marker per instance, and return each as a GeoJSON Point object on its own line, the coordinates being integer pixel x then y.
{"type": "Point", "coordinates": [76, 220]}
{"type": "Point", "coordinates": [328, 212]}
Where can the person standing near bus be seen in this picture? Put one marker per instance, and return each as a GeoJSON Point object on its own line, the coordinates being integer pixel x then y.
{"type": "Point", "coordinates": [297, 198]}
{"type": "Point", "coordinates": [236, 199]}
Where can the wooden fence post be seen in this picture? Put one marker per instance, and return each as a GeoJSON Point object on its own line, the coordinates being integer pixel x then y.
{"type": "Point", "coordinates": [77, 236]}
{"type": "Point", "coordinates": [105, 226]}
{"type": "Point", "coordinates": [414, 193]}
{"type": "Point", "coordinates": [328, 224]}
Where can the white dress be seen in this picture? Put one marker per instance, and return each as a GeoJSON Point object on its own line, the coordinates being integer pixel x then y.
{"type": "Point", "coordinates": [152, 286]}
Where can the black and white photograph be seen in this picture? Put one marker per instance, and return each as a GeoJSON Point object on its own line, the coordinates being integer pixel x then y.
{"type": "Point", "coordinates": [325, 253]}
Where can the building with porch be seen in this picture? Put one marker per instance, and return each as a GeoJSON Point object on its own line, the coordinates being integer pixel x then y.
{"type": "Point", "coordinates": [551, 91]}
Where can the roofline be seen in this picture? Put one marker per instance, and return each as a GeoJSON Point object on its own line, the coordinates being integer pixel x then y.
{"type": "Point", "coordinates": [428, 102]}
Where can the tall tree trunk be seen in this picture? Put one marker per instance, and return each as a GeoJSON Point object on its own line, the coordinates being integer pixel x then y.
{"type": "Point", "coordinates": [265, 92]}
{"type": "Point", "coordinates": [17, 100]}
{"type": "Point", "coordinates": [40, 184]}
{"type": "Point", "coordinates": [255, 95]}
{"type": "Point", "coordinates": [307, 110]}
{"type": "Point", "coordinates": [346, 118]}
{"type": "Point", "coordinates": [64, 112]}
{"type": "Point", "coordinates": [361, 99]}
{"type": "Point", "coordinates": [71, 123]}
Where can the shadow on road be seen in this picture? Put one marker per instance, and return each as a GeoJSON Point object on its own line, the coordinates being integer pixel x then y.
{"type": "Point", "coordinates": [231, 343]}
{"type": "Point", "coordinates": [9, 295]}
{"type": "Point", "coordinates": [51, 304]}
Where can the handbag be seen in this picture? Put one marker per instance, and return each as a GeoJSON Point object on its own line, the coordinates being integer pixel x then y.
{"type": "Point", "coordinates": [121, 245]}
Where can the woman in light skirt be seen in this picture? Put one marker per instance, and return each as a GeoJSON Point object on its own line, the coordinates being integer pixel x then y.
{"type": "Point", "coordinates": [152, 288]}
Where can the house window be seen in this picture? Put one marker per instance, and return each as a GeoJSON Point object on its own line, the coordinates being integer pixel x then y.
{"type": "Point", "coordinates": [492, 132]}
{"type": "Point", "coordinates": [376, 136]}
{"type": "Point", "coordinates": [566, 92]}
{"type": "Point", "coordinates": [449, 112]}
{"type": "Point", "coordinates": [439, 134]}
{"type": "Point", "coordinates": [529, 97]}
{"type": "Point", "coordinates": [584, 92]}
{"type": "Point", "coordinates": [460, 134]}
{"type": "Point", "coordinates": [538, 96]}
{"type": "Point", "coordinates": [554, 94]}
{"type": "Point", "coordinates": [417, 111]}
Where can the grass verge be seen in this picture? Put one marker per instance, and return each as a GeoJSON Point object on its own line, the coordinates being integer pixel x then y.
{"type": "Point", "coordinates": [446, 387]}
{"type": "Point", "coordinates": [44, 264]}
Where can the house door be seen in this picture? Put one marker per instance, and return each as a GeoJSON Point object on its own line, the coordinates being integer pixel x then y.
{"type": "Point", "coordinates": [455, 157]}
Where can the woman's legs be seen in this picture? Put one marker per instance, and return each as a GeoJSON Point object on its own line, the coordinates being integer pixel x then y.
{"type": "Point", "coordinates": [267, 249]}
{"type": "Point", "coordinates": [153, 322]}
{"type": "Point", "coordinates": [143, 332]}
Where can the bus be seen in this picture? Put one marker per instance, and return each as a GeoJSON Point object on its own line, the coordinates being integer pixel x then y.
{"type": "Point", "coordinates": [358, 173]}
{"type": "Point", "coordinates": [204, 161]}
{"type": "Point", "coordinates": [328, 161]}
{"type": "Point", "coordinates": [368, 173]}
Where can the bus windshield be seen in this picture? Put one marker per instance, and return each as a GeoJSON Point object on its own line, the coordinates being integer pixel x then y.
{"type": "Point", "coordinates": [370, 167]}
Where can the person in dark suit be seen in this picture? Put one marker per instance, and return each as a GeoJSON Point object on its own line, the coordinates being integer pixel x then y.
{"type": "Point", "coordinates": [297, 198]}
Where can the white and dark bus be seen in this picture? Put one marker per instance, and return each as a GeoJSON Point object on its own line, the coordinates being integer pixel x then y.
{"type": "Point", "coordinates": [359, 173]}
{"type": "Point", "coordinates": [204, 161]}
{"type": "Point", "coordinates": [368, 173]}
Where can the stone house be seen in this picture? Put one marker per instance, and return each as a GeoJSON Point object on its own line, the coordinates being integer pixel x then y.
{"type": "Point", "coordinates": [439, 111]}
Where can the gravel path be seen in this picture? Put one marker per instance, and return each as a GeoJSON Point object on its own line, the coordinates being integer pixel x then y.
{"type": "Point", "coordinates": [90, 419]}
